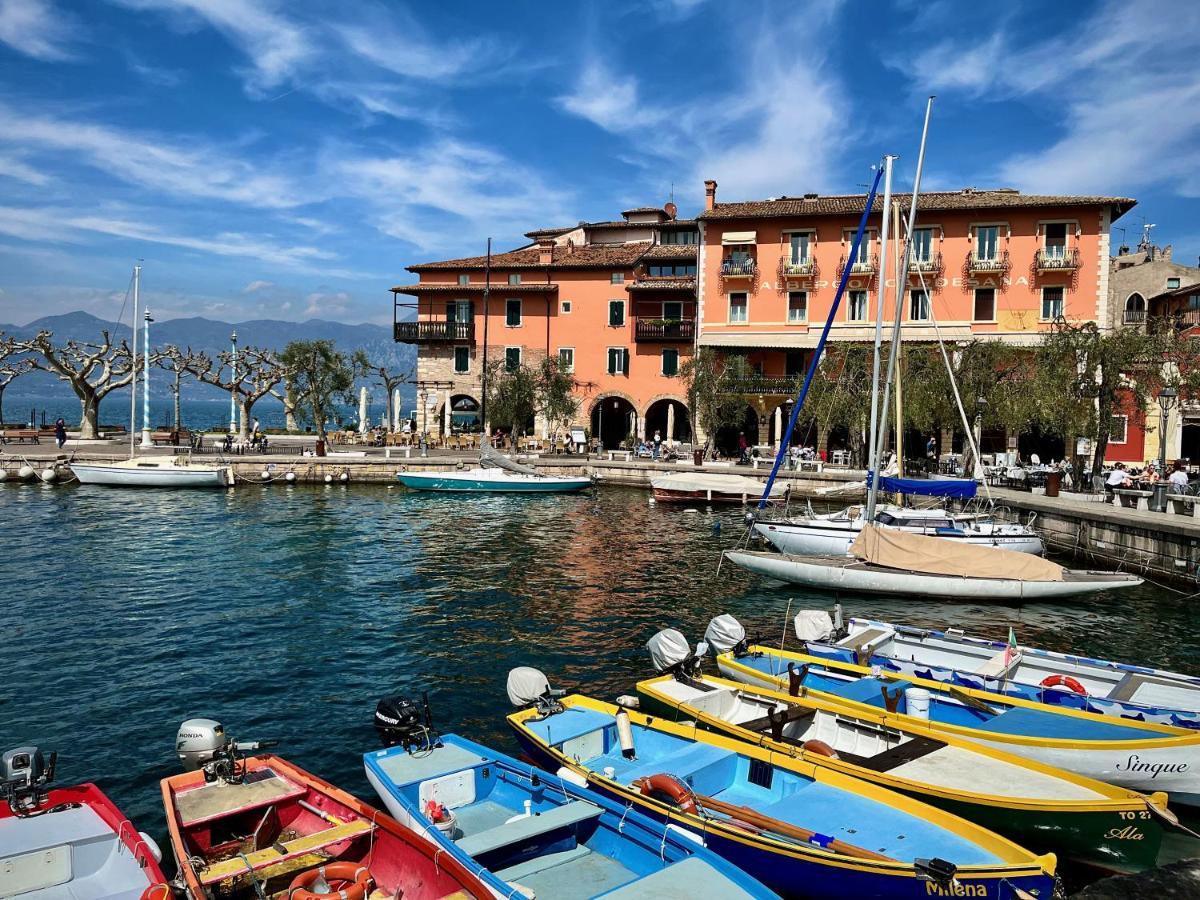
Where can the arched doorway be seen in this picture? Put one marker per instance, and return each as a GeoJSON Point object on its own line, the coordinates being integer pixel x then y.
{"type": "Point", "coordinates": [670, 419]}
{"type": "Point", "coordinates": [613, 420]}
{"type": "Point", "coordinates": [1135, 309]}
{"type": "Point", "coordinates": [726, 440]}
{"type": "Point", "coordinates": [464, 415]}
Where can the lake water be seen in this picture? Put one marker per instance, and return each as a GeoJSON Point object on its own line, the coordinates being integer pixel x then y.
{"type": "Point", "coordinates": [286, 612]}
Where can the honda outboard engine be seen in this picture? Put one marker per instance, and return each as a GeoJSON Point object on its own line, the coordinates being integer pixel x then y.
{"type": "Point", "coordinates": [23, 775]}
{"type": "Point", "coordinates": [203, 744]}
{"type": "Point", "coordinates": [399, 720]}
{"type": "Point", "coordinates": [530, 687]}
{"type": "Point", "coordinates": [672, 654]}
{"type": "Point", "coordinates": [725, 634]}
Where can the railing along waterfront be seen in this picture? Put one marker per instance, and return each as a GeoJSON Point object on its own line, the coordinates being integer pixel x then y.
{"type": "Point", "coordinates": [664, 330]}
{"type": "Point", "coordinates": [433, 332]}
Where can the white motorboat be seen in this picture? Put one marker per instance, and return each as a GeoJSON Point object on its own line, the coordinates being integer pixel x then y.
{"type": "Point", "coordinates": [887, 561]}
{"type": "Point", "coordinates": [155, 472]}
{"type": "Point", "coordinates": [708, 487]}
{"type": "Point", "coordinates": [481, 480]}
{"type": "Point", "coordinates": [833, 533]}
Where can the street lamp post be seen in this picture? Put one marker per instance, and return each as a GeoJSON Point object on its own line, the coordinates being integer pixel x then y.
{"type": "Point", "coordinates": [233, 387]}
{"type": "Point", "coordinates": [1166, 402]}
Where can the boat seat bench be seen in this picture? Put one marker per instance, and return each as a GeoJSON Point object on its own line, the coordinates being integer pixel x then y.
{"type": "Point", "coordinates": [791, 714]}
{"type": "Point", "coordinates": [522, 829]}
{"type": "Point", "coordinates": [309, 843]}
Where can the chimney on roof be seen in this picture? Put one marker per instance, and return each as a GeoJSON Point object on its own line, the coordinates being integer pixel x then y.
{"type": "Point", "coordinates": [1123, 250]}
{"type": "Point", "coordinates": [1166, 253]}
{"type": "Point", "coordinates": [545, 251]}
{"type": "Point", "coordinates": [810, 196]}
{"type": "Point", "coordinates": [710, 194]}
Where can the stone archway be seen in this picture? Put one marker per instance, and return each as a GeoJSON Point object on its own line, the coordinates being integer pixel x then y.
{"type": "Point", "coordinates": [726, 439]}
{"type": "Point", "coordinates": [464, 414]}
{"type": "Point", "coordinates": [613, 418]}
{"type": "Point", "coordinates": [668, 416]}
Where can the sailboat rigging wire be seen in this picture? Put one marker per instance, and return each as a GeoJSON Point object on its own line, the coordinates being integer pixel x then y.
{"type": "Point", "coordinates": [786, 441]}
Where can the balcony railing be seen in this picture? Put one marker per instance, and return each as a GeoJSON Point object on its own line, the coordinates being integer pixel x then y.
{"type": "Point", "coordinates": [1057, 259]}
{"type": "Point", "coordinates": [434, 332]}
{"type": "Point", "coordinates": [867, 266]}
{"type": "Point", "coordinates": [765, 384]}
{"type": "Point", "coordinates": [930, 264]}
{"type": "Point", "coordinates": [1135, 317]}
{"type": "Point", "coordinates": [664, 330]}
{"type": "Point", "coordinates": [997, 263]}
{"type": "Point", "coordinates": [737, 267]}
{"type": "Point", "coordinates": [1187, 318]}
{"type": "Point", "coordinates": [800, 267]}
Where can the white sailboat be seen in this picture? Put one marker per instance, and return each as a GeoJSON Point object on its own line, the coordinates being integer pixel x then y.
{"type": "Point", "coordinates": [150, 471]}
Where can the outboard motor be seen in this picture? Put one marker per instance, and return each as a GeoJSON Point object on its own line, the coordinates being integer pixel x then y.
{"type": "Point", "coordinates": [725, 634]}
{"type": "Point", "coordinates": [203, 744]}
{"type": "Point", "coordinates": [530, 687]}
{"type": "Point", "coordinates": [399, 720]}
{"type": "Point", "coordinates": [673, 655]}
{"type": "Point", "coordinates": [813, 625]}
{"type": "Point", "coordinates": [23, 776]}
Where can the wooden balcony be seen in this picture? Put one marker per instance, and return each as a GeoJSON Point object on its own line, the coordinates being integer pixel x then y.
{"type": "Point", "coordinates": [1057, 259]}
{"type": "Point", "coordinates": [435, 332]}
{"type": "Point", "coordinates": [664, 330]}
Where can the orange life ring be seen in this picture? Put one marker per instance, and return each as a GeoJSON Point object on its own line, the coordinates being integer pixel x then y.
{"type": "Point", "coordinates": [668, 786]}
{"type": "Point", "coordinates": [820, 748]}
{"type": "Point", "coordinates": [158, 891]}
{"type": "Point", "coordinates": [357, 880]}
{"type": "Point", "coordinates": [1063, 681]}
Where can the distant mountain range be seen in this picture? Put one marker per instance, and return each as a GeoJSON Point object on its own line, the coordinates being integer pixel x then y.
{"type": "Point", "coordinates": [212, 337]}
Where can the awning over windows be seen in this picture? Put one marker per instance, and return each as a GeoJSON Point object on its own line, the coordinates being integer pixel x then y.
{"type": "Point", "coordinates": [738, 237]}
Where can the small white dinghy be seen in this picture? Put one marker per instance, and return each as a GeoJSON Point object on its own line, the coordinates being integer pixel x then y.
{"type": "Point", "coordinates": [708, 487]}
{"type": "Point", "coordinates": [154, 472]}
{"type": "Point", "coordinates": [887, 561]}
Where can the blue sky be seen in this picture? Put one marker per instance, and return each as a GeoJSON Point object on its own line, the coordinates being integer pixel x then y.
{"type": "Point", "coordinates": [289, 159]}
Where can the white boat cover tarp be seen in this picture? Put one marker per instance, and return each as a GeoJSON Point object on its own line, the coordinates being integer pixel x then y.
{"type": "Point", "coordinates": [526, 685]}
{"type": "Point", "coordinates": [668, 648]}
{"type": "Point", "coordinates": [718, 484]}
{"type": "Point", "coordinates": [897, 549]}
{"type": "Point", "coordinates": [813, 625]}
{"type": "Point", "coordinates": [724, 633]}
{"type": "Point", "coordinates": [489, 456]}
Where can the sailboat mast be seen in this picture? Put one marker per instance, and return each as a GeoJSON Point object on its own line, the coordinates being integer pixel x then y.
{"type": "Point", "coordinates": [872, 462]}
{"type": "Point", "coordinates": [146, 442]}
{"type": "Point", "coordinates": [901, 284]}
{"type": "Point", "coordinates": [133, 358]}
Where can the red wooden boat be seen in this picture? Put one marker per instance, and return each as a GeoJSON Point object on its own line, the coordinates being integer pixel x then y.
{"type": "Point", "coordinates": [272, 830]}
{"type": "Point", "coordinates": [69, 841]}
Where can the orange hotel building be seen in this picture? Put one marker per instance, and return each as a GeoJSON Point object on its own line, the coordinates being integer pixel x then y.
{"type": "Point", "coordinates": [625, 302]}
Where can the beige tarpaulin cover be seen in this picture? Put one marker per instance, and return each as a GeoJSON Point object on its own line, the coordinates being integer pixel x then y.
{"type": "Point", "coordinates": [938, 556]}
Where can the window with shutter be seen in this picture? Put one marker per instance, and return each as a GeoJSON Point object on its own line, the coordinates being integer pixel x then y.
{"type": "Point", "coordinates": [616, 313]}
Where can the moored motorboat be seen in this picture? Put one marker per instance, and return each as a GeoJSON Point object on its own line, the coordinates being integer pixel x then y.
{"type": "Point", "coordinates": [69, 842]}
{"type": "Point", "coordinates": [154, 472]}
{"type": "Point", "coordinates": [709, 487]}
{"type": "Point", "coordinates": [1100, 686]}
{"type": "Point", "coordinates": [254, 827]}
{"type": "Point", "coordinates": [1142, 756]}
{"type": "Point", "coordinates": [526, 834]}
{"type": "Point", "coordinates": [798, 828]}
{"type": "Point", "coordinates": [1039, 806]}
{"type": "Point", "coordinates": [482, 480]}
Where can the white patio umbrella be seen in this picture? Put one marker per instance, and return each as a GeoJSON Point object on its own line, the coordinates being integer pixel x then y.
{"type": "Point", "coordinates": [363, 424]}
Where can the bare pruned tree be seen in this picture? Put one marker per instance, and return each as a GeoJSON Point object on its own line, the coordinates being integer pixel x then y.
{"type": "Point", "coordinates": [287, 397]}
{"type": "Point", "coordinates": [182, 364]}
{"type": "Point", "coordinates": [387, 379]}
{"type": "Point", "coordinates": [12, 367]}
{"type": "Point", "coordinates": [258, 372]}
{"type": "Point", "coordinates": [93, 369]}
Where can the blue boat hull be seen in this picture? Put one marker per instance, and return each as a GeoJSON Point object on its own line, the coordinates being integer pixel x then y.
{"type": "Point", "coordinates": [428, 481]}
{"type": "Point", "coordinates": [795, 876]}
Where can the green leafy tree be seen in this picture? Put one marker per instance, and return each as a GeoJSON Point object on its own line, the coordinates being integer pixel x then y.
{"type": "Point", "coordinates": [320, 377]}
{"type": "Point", "coordinates": [714, 385]}
{"type": "Point", "coordinates": [512, 396]}
{"type": "Point", "coordinates": [840, 394]}
{"type": "Point", "coordinates": [554, 393]}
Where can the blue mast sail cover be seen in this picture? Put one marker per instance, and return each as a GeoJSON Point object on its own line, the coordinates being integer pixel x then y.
{"type": "Point", "coordinates": [786, 441]}
{"type": "Point", "coordinates": [963, 488]}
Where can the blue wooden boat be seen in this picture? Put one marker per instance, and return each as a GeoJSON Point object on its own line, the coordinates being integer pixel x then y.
{"type": "Point", "coordinates": [491, 481]}
{"type": "Point", "coordinates": [1098, 686]}
{"type": "Point", "coordinates": [799, 829]}
{"type": "Point", "coordinates": [524, 832]}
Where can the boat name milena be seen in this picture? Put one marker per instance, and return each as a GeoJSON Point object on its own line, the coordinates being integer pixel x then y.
{"type": "Point", "coordinates": [955, 889]}
{"type": "Point", "coordinates": [1135, 764]}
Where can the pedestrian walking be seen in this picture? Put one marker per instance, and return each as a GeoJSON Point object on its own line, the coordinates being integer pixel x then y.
{"type": "Point", "coordinates": [60, 432]}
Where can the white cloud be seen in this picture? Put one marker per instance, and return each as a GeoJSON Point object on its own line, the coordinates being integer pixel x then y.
{"type": "Point", "coordinates": [192, 168]}
{"type": "Point", "coordinates": [156, 75]}
{"type": "Point", "coordinates": [1122, 84]}
{"type": "Point", "coordinates": [609, 100]}
{"type": "Point", "coordinates": [36, 28]}
{"type": "Point", "coordinates": [324, 304]}
{"type": "Point", "coordinates": [12, 167]}
{"type": "Point", "coordinates": [258, 285]}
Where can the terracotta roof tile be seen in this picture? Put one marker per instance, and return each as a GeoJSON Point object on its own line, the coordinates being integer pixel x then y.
{"type": "Point", "coordinates": [497, 287]}
{"type": "Point", "coordinates": [643, 209]}
{"type": "Point", "coordinates": [933, 201]}
{"type": "Point", "coordinates": [671, 251]}
{"type": "Point", "coordinates": [614, 256]}
{"type": "Point", "coordinates": [662, 284]}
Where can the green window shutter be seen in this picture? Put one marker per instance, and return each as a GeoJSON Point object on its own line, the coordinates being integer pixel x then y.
{"type": "Point", "coordinates": [624, 362]}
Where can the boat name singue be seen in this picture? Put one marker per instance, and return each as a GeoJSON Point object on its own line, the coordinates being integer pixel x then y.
{"type": "Point", "coordinates": [1135, 764]}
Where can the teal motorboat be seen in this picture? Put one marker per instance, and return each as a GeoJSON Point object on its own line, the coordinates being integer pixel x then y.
{"type": "Point", "coordinates": [491, 481]}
